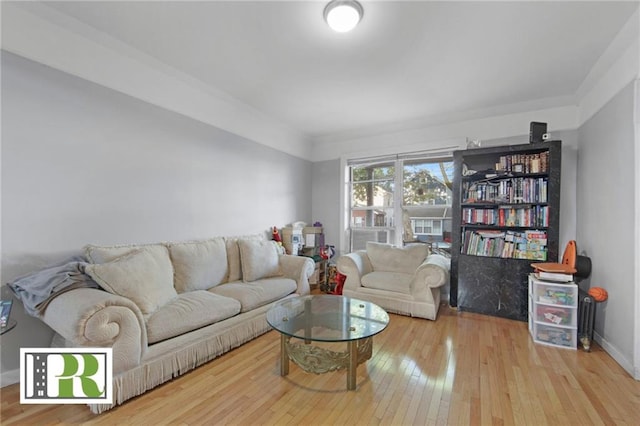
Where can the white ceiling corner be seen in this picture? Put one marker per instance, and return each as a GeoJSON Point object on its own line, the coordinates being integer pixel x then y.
{"type": "Point", "coordinates": [273, 72]}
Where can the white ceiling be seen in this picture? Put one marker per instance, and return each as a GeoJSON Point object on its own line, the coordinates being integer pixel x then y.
{"type": "Point", "coordinates": [406, 61]}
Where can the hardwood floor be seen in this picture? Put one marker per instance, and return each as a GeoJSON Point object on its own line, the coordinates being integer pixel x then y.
{"type": "Point", "coordinates": [461, 369]}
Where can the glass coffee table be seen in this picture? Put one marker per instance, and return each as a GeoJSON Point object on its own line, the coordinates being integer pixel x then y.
{"type": "Point", "coordinates": [326, 318]}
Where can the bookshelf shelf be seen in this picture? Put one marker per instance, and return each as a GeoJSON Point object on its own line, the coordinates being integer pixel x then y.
{"type": "Point", "coordinates": [508, 217]}
{"type": "Point", "coordinates": [483, 177]}
{"type": "Point", "coordinates": [524, 205]}
{"type": "Point", "coordinates": [514, 228]}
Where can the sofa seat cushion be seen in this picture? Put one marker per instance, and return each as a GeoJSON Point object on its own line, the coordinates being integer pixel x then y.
{"type": "Point", "coordinates": [189, 311]}
{"type": "Point", "coordinates": [397, 282]}
{"type": "Point", "coordinates": [199, 265]}
{"type": "Point", "coordinates": [387, 258]}
{"type": "Point", "coordinates": [256, 293]}
{"type": "Point", "coordinates": [145, 276]}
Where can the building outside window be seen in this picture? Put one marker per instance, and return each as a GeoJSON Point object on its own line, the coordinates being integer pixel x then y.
{"type": "Point", "coordinates": [426, 227]}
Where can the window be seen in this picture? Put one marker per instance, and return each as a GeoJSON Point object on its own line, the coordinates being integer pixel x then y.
{"type": "Point", "coordinates": [372, 198]}
{"type": "Point", "coordinates": [427, 226]}
{"type": "Point", "coordinates": [399, 199]}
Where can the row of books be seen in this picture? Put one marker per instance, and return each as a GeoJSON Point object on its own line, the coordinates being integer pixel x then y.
{"type": "Point", "coordinates": [530, 244]}
{"type": "Point", "coordinates": [511, 190]}
{"type": "Point", "coordinates": [525, 163]}
{"type": "Point", "coordinates": [533, 216]}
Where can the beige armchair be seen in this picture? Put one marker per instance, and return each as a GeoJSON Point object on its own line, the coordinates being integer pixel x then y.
{"type": "Point", "coordinates": [401, 280]}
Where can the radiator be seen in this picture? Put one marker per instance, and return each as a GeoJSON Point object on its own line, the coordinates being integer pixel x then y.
{"type": "Point", "coordinates": [586, 319]}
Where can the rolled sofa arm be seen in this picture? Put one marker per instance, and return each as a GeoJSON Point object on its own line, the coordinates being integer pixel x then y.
{"type": "Point", "coordinates": [95, 318]}
{"type": "Point", "coordinates": [433, 273]}
{"type": "Point", "coordinates": [354, 266]}
{"type": "Point", "coordinates": [298, 268]}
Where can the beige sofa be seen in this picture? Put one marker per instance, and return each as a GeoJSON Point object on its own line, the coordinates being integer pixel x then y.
{"type": "Point", "coordinates": [170, 307]}
{"type": "Point", "coordinates": [401, 280]}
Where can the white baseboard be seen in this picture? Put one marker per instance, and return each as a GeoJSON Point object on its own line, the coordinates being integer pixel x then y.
{"type": "Point", "coordinates": [617, 356]}
{"type": "Point", "coordinates": [9, 377]}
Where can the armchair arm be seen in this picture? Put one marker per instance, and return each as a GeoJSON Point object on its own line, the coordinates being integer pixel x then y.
{"type": "Point", "coordinates": [90, 317]}
{"type": "Point", "coordinates": [354, 265]}
{"type": "Point", "coordinates": [431, 274]}
{"type": "Point", "coordinates": [298, 268]}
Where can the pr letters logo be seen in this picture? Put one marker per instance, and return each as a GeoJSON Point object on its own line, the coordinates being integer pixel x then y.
{"type": "Point", "coordinates": [66, 375]}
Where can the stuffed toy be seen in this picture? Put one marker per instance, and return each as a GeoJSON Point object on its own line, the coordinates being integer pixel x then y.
{"type": "Point", "coordinates": [275, 235]}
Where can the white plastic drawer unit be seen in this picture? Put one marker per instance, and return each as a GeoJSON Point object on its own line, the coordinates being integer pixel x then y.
{"type": "Point", "coordinates": [556, 315]}
{"type": "Point", "coordinates": [555, 294]}
{"type": "Point", "coordinates": [553, 313]}
{"type": "Point", "coordinates": [556, 336]}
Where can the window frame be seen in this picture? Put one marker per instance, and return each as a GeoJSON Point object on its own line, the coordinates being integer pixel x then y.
{"type": "Point", "coordinates": [397, 206]}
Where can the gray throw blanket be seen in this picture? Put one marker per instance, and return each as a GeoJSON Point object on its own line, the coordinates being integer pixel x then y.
{"type": "Point", "coordinates": [37, 289]}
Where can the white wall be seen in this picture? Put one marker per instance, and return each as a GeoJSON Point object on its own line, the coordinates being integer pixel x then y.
{"type": "Point", "coordinates": [37, 32]}
{"type": "Point", "coordinates": [445, 135]}
{"type": "Point", "coordinates": [606, 219]}
{"type": "Point", "coordinates": [85, 164]}
{"type": "Point", "coordinates": [326, 199]}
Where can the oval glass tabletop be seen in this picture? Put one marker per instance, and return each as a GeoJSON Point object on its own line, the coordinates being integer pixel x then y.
{"type": "Point", "coordinates": [327, 318]}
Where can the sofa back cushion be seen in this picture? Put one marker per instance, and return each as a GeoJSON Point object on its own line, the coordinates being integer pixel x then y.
{"type": "Point", "coordinates": [199, 265]}
{"type": "Point", "coordinates": [259, 259]}
{"type": "Point", "coordinates": [145, 276]}
{"type": "Point", "coordinates": [104, 254]}
{"type": "Point", "coordinates": [233, 255]}
{"type": "Point", "coordinates": [387, 258]}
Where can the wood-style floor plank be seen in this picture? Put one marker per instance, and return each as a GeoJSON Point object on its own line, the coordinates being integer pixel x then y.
{"type": "Point", "coordinates": [461, 369]}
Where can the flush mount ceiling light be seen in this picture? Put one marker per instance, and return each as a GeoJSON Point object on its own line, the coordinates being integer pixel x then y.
{"type": "Point", "coordinates": [343, 15]}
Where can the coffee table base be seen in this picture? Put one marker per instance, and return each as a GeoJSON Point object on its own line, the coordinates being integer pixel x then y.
{"type": "Point", "coordinates": [314, 359]}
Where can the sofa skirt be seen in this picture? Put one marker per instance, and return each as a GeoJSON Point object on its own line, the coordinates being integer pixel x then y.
{"type": "Point", "coordinates": [171, 358]}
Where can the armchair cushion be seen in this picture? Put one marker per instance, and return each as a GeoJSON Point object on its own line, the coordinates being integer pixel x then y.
{"type": "Point", "coordinates": [387, 258]}
{"type": "Point", "coordinates": [391, 281]}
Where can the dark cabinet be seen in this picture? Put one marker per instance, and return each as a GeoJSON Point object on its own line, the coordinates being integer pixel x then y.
{"type": "Point", "coordinates": [506, 216]}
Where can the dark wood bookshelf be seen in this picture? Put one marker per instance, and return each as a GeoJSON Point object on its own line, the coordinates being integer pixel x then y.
{"type": "Point", "coordinates": [498, 285]}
